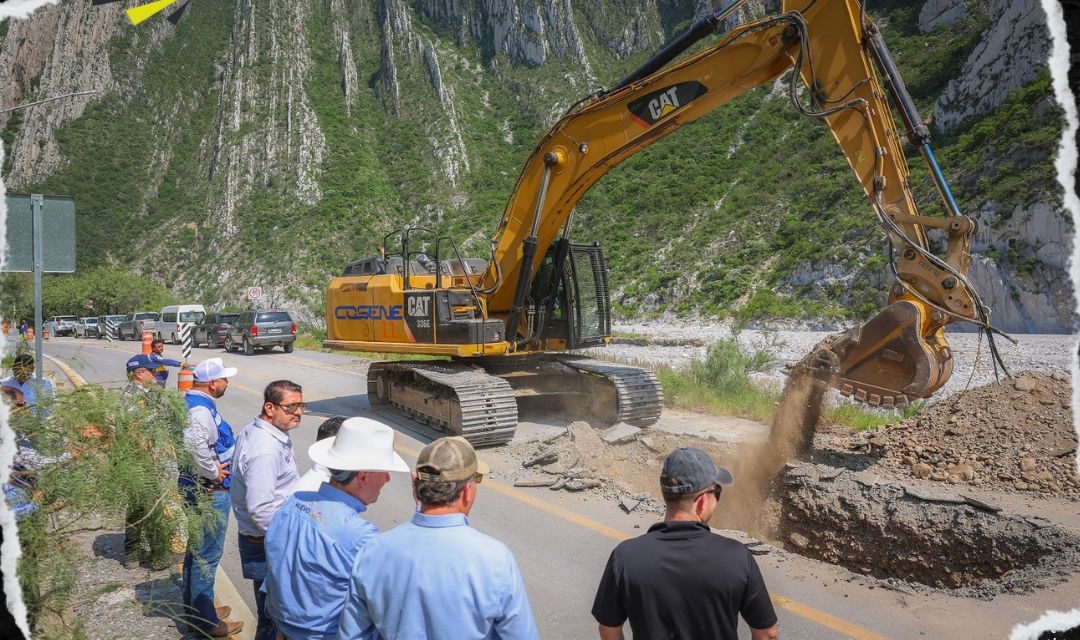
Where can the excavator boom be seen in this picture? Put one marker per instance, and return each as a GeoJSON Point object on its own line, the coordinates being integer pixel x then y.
{"type": "Point", "coordinates": [539, 294]}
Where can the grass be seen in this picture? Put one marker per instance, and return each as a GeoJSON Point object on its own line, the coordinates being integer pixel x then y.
{"type": "Point", "coordinates": [721, 385]}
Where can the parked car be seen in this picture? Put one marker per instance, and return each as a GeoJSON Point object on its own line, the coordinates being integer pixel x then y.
{"type": "Point", "coordinates": [265, 329]}
{"type": "Point", "coordinates": [172, 317]}
{"type": "Point", "coordinates": [86, 328]}
{"type": "Point", "coordinates": [103, 323]}
{"type": "Point", "coordinates": [61, 325]}
{"type": "Point", "coordinates": [135, 323]}
{"type": "Point", "coordinates": [213, 329]}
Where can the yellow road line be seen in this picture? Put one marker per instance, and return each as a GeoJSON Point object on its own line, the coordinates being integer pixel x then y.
{"type": "Point", "coordinates": [75, 378]}
{"type": "Point", "coordinates": [824, 619]}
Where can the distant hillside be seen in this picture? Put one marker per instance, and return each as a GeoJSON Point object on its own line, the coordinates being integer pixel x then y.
{"type": "Point", "coordinates": [269, 142]}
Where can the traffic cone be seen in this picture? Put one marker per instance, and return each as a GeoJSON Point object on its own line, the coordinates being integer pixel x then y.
{"type": "Point", "coordinates": [30, 334]}
{"type": "Point", "coordinates": [44, 334]}
{"type": "Point", "coordinates": [147, 338]}
{"type": "Point", "coordinates": [186, 378]}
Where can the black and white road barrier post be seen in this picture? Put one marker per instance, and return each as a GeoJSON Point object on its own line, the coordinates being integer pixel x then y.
{"type": "Point", "coordinates": [185, 340]}
{"type": "Point", "coordinates": [110, 330]}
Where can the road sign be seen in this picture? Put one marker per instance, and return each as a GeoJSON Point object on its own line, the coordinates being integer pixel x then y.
{"type": "Point", "coordinates": [254, 293]}
{"type": "Point", "coordinates": [89, 304]}
{"type": "Point", "coordinates": [57, 234]}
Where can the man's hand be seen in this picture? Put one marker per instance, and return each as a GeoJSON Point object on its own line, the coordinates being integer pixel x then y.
{"type": "Point", "coordinates": [222, 472]}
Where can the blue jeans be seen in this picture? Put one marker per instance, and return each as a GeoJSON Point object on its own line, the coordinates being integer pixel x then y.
{"type": "Point", "coordinates": [253, 566]}
{"type": "Point", "coordinates": [200, 565]}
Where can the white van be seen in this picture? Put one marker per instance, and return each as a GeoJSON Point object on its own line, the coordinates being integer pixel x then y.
{"type": "Point", "coordinates": [171, 317]}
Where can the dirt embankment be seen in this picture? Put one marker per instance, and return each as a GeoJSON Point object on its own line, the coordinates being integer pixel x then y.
{"type": "Point", "coordinates": [1013, 435]}
{"type": "Point", "coordinates": [923, 503]}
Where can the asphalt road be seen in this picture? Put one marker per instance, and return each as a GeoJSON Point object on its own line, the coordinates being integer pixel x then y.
{"type": "Point", "coordinates": [562, 541]}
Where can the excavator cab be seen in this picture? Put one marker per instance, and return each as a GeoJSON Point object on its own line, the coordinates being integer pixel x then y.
{"type": "Point", "coordinates": [577, 313]}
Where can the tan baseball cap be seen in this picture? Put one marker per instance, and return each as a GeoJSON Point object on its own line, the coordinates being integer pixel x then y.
{"type": "Point", "coordinates": [449, 459]}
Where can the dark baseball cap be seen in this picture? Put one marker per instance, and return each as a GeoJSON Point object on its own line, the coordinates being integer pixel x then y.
{"type": "Point", "coordinates": [449, 460]}
{"type": "Point", "coordinates": [692, 470]}
{"type": "Point", "coordinates": [140, 362]}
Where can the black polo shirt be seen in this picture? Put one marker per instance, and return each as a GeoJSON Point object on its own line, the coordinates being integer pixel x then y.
{"type": "Point", "coordinates": [681, 581]}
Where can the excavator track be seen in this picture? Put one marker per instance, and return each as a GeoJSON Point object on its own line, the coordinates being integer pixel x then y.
{"type": "Point", "coordinates": [640, 396]}
{"type": "Point", "coordinates": [449, 396]}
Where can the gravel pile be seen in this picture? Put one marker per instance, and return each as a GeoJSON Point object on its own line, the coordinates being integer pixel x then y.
{"type": "Point", "coordinates": [1015, 436]}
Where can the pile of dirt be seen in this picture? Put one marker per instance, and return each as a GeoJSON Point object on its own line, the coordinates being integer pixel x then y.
{"type": "Point", "coordinates": [621, 463]}
{"type": "Point", "coordinates": [1013, 435]}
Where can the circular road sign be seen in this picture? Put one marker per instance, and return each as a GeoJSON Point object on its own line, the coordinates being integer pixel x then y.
{"type": "Point", "coordinates": [254, 293]}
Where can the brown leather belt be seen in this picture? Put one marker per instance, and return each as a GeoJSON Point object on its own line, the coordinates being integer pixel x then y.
{"type": "Point", "coordinates": [217, 487]}
{"type": "Point", "coordinates": [255, 539]}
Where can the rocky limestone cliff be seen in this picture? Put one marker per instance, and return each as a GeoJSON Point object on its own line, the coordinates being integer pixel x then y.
{"type": "Point", "coordinates": [1007, 57]}
{"type": "Point", "coordinates": [327, 124]}
{"type": "Point", "coordinates": [61, 50]}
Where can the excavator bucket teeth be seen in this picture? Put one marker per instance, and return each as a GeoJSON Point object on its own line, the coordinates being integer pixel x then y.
{"type": "Point", "coordinates": [887, 362]}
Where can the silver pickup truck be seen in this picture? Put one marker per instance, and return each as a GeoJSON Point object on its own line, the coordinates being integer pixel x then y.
{"type": "Point", "coordinates": [135, 323]}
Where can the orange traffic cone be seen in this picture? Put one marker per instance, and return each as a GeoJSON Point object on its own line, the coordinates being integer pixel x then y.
{"type": "Point", "coordinates": [30, 334]}
{"type": "Point", "coordinates": [44, 334]}
{"type": "Point", "coordinates": [147, 338]}
{"type": "Point", "coordinates": [186, 378]}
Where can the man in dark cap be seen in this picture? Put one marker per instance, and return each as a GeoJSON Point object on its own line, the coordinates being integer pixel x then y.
{"type": "Point", "coordinates": [680, 580]}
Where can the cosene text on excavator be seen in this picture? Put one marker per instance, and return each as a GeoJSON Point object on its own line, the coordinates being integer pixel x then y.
{"type": "Point", "coordinates": [507, 323]}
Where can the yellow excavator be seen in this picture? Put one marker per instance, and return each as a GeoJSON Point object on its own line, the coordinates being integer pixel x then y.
{"type": "Point", "coordinates": [509, 324]}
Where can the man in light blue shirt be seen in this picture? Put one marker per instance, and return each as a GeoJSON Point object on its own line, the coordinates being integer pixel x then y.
{"type": "Point", "coordinates": [437, 578]}
{"type": "Point", "coordinates": [314, 538]}
{"type": "Point", "coordinates": [22, 380]}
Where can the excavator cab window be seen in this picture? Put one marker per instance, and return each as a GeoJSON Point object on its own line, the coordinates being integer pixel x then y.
{"type": "Point", "coordinates": [577, 310]}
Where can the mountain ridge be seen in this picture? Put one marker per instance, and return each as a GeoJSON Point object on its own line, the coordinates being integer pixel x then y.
{"type": "Point", "coordinates": [272, 142]}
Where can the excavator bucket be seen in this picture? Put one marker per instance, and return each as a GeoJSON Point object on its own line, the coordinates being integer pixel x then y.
{"type": "Point", "coordinates": [892, 359]}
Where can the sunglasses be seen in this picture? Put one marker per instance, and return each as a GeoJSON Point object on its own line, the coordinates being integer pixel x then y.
{"type": "Point", "coordinates": [478, 478]}
{"type": "Point", "coordinates": [716, 491]}
{"type": "Point", "coordinates": [292, 406]}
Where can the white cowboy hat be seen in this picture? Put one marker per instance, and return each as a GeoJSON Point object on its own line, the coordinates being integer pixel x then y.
{"type": "Point", "coordinates": [362, 444]}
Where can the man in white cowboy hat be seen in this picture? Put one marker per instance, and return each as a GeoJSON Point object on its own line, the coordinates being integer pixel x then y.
{"type": "Point", "coordinates": [435, 577]}
{"type": "Point", "coordinates": [315, 536]}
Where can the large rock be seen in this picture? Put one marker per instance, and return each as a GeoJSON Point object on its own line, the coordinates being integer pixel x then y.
{"type": "Point", "coordinates": [1009, 55]}
{"type": "Point", "coordinates": [941, 12]}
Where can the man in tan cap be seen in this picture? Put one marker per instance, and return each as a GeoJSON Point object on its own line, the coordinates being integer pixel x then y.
{"type": "Point", "coordinates": [315, 536]}
{"type": "Point", "coordinates": [437, 577]}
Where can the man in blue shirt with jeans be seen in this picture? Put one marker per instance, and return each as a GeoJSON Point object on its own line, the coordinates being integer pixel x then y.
{"type": "Point", "coordinates": [315, 536]}
{"type": "Point", "coordinates": [436, 577]}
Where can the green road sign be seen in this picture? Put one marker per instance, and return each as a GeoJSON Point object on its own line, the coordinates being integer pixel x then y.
{"type": "Point", "coordinates": [58, 234]}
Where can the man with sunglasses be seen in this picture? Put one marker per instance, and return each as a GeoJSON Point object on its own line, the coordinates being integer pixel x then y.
{"type": "Point", "coordinates": [680, 580]}
{"type": "Point", "coordinates": [263, 475]}
{"type": "Point", "coordinates": [436, 577]}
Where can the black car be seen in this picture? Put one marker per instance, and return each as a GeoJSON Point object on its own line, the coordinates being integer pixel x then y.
{"type": "Point", "coordinates": [213, 329]}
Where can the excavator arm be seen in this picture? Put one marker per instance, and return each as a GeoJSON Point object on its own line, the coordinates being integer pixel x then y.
{"type": "Point", "coordinates": [837, 53]}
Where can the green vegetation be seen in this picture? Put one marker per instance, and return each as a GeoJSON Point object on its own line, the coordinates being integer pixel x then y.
{"type": "Point", "coordinates": [100, 458]}
{"type": "Point", "coordinates": [737, 204]}
{"type": "Point", "coordinates": [111, 290]}
{"type": "Point", "coordinates": [722, 385]}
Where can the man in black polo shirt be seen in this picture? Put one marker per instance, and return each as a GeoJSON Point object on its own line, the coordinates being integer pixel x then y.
{"type": "Point", "coordinates": [679, 580]}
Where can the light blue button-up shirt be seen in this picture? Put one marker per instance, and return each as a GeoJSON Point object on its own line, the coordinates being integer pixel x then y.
{"type": "Point", "coordinates": [311, 546]}
{"type": "Point", "coordinates": [29, 394]}
{"type": "Point", "coordinates": [436, 578]}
